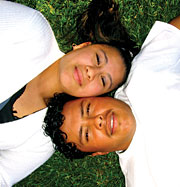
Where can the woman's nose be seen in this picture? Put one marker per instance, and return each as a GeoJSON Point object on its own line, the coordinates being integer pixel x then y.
{"type": "Point", "coordinates": [91, 72]}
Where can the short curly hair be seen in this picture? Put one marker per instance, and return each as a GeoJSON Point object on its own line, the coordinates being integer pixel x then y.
{"type": "Point", "coordinates": [53, 121]}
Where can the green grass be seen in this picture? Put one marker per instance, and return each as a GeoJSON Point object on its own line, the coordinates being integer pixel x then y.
{"type": "Point", "coordinates": [138, 16]}
{"type": "Point", "coordinates": [92, 171]}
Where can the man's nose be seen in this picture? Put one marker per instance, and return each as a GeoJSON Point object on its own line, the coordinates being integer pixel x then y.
{"type": "Point", "coordinates": [99, 121]}
{"type": "Point", "coordinates": [91, 72]}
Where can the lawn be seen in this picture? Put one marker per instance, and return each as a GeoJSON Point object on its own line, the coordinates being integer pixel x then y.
{"type": "Point", "coordinates": [138, 17]}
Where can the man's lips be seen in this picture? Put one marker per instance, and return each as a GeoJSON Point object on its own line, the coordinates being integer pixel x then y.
{"type": "Point", "coordinates": [78, 76]}
{"type": "Point", "coordinates": [112, 123]}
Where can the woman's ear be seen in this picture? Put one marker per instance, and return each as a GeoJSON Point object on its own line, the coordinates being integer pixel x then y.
{"type": "Point", "coordinates": [99, 153]}
{"type": "Point", "coordinates": [74, 46]}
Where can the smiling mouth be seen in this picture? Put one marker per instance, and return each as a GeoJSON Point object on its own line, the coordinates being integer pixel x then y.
{"type": "Point", "coordinates": [78, 76]}
{"type": "Point", "coordinates": [112, 123]}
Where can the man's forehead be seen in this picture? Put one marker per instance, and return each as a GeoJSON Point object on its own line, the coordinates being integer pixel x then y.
{"type": "Point", "coordinates": [93, 99]}
{"type": "Point", "coordinates": [83, 98]}
{"type": "Point", "coordinates": [100, 102]}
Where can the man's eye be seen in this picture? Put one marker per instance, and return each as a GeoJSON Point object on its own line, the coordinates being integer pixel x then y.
{"type": "Point", "coordinates": [98, 59]}
{"type": "Point", "coordinates": [103, 79]}
{"type": "Point", "coordinates": [88, 108]}
{"type": "Point", "coordinates": [87, 135]}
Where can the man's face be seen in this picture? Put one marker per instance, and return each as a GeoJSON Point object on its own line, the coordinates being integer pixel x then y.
{"type": "Point", "coordinates": [91, 70]}
{"type": "Point", "coordinates": [98, 124]}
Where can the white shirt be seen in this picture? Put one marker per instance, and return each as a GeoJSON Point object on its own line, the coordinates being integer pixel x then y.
{"type": "Point", "coordinates": [153, 92]}
{"type": "Point", "coordinates": [27, 46]}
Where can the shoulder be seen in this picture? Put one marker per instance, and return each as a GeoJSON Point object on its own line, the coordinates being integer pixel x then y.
{"type": "Point", "coordinates": [160, 52]}
{"type": "Point", "coordinates": [11, 10]}
{"type": "Point", "coordinates": [24, 29]}
{"type": "Point", "coordinates": [161, 30]}
{"type": "Point", "coordinates": [21, 19]}
{"type": "Point", "coordinates": [24, 144]}
{"type": "Point", "coordinates": [160, 49]}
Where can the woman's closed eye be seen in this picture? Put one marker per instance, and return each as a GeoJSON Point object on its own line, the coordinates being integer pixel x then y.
{"type": "Point", "coordinates": [97, 59]}
{"type": "Point", "coordinates": [103, 79]}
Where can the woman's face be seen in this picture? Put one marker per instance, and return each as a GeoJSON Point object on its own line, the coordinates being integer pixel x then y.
{"type": "Point", "coordinates": [92, 70]}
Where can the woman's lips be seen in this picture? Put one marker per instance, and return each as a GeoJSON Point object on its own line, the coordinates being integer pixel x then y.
{"type": "Point", "coordinates": [78, 76]}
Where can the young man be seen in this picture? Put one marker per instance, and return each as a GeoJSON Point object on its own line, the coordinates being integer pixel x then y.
{"type": "Point", "coordinates": [153, 92]}
{"type": "Point", "coordinates": [148, 149]}
{"type": "Point", "coordinates": [95, 125]}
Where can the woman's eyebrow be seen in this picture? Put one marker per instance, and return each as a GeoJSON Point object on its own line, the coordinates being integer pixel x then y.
{"type": "Point", "coordinates": [106, 61]}
{"type": "Point", "coordinates": [110, 78]}
{"type": "Point", "coordinates": [105, 56]}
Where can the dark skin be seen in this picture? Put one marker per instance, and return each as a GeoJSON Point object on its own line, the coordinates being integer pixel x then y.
{"type": "Point", "coordinates": [38, 91]}
{"type": "Point", "coordinates": [176, 22]}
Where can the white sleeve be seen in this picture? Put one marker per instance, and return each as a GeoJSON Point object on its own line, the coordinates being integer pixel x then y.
{"type": "Point", "coordinates": [161, 48]}
{"type": "Point", "coordinates": [16, 164]}
{"type": "Point", "coordinates": [27, 45]}
{"type": "Point", "coordinates": [160, 52]}
{"type": "Point", "coordinates": [23, 148]}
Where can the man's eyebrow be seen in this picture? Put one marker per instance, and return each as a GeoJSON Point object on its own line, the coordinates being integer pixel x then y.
{"type": "Point", "coordinates": [80, 135]}
{"type": "Point", "coordinates": [80, 129]}
{"type": "Point", "coordinates": [82, 111]}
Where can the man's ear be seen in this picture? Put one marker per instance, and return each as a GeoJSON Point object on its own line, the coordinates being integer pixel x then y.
{"type": "Point", "coordinates": [74, 46]}
{"type": "Point", "coordinates": [99, 153]}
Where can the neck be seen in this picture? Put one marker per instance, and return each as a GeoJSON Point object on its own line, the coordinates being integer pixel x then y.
{"type": "Point", "coordinates": [46, 84]}
{"type": "Point", "coordinates": [38, 91]}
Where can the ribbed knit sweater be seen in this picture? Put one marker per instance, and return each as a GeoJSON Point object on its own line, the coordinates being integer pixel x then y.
{"type": "Point", "coordinates": [27, 47]}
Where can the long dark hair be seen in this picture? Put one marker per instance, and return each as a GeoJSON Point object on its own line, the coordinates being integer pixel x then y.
{"type": "Point", "coordinates": [100, 23]}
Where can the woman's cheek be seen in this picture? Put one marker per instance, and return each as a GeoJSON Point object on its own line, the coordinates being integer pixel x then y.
{"type": "Point", "coordinates": [95, 89]}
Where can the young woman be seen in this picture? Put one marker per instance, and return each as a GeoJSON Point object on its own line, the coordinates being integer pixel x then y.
{"type": "Point", "coordinates": [33, 69]}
